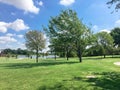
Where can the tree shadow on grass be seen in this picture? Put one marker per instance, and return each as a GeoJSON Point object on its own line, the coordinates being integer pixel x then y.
{"type": "Point", "coordinates": [93, 58]}
{"type": "Point", "coordinates": [61, 86]}
{"type": "Point", "coordinates": [99, 57]}
{"type": "Point", "coordinates": [57, 86]}
{"type": "Point", "coordinates": [30, 65]}
{"type": "Point", "coordinates": [101, 81]}
{"type": "Point", "coordinates": [106, 81]}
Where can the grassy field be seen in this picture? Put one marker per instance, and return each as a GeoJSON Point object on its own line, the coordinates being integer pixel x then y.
{"type": "Point", "coordinates": [92, 74]}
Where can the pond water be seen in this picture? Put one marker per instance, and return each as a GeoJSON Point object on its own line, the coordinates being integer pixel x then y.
{"type": "Point", "coordinates": [34, 56]}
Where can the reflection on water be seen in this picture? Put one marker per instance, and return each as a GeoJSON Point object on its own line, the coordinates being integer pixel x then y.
{"type": "Point", "coordinates": [34, 56]}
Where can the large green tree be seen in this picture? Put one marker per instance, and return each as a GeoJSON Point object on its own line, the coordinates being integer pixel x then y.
{"type": "Point", "coordinates": [55, 48]}
{"type": "Point", "coordinates": [71, 32]}
{"type": "Point", "coordinates": [115, 33]}
{"type": "Point", "coordinates": [35, 41]}
{"type": "Point", "coordinates": [104, 42]}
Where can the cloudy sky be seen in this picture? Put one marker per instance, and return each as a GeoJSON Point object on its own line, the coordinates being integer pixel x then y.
{"type": "Point", "coordinates": [19, 16]}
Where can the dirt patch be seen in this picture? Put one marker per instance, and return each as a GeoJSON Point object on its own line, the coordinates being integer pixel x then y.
{"type": "Point", "coordinates": [91, 76]}
{"type": "Point", "coordinates": [117, 63]}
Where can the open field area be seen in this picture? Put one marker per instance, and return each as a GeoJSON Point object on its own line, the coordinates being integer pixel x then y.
{"type": "Point", "coordinates": [48, 74]}
{"type": "Point", "coordinates": [60, 45]}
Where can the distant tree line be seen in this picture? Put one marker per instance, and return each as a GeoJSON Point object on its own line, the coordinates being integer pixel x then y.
{"type": "Point", "coordinates": [108, 43]}
{"type": "Point", "coordinates": [13, 52]}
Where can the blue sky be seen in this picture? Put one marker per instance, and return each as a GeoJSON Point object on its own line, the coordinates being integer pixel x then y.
{"type": "Point", "coordinates": [19, 16]}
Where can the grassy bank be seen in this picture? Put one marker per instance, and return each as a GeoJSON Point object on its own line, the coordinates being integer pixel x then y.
{"type": "Point", "coordinates": [92, 74]}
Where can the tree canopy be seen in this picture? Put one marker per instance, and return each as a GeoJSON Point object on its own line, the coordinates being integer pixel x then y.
{"type": "Point", "coordinates": [35, 41]}
{"type": "Point", "coordinates": [104, 42]}
{"type": "Point", "coordinates": [115, 33]}
{"type": "Point", "coordinates": [70, 31]}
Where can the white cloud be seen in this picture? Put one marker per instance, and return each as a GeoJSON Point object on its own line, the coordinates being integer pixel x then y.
{"type": "Point", "coordinates": [3, 27]}
{"type": "Point", "coordinates": [105, 30]}
{"type": "Point", "coordinates": [20, 45]}
{"type": "Point", "coordinates": [14, 35]}
{"type": "Point", "coordinates": [66, 2]}
{"type": "Point", "coordinates": [95, 28]}
{"type": "Point", "coordinates": [13, 14]}
{"type": "Point", "coordinates": [117, 23]}
{"type": "Point", "coordinates": [40, 3]}
{"type": "Point", "coordinates": [27, 6]}
{"type": "Point", "coordinates": [10, 34]}
{"type": "Point", "coordinates": [7, 39]}
{"type": "Point", "coordinates": [20, 36]}
{"type": "Point", "coordinates": [17, 25]}
{"type": "Point", "coordinates": [14, 45]}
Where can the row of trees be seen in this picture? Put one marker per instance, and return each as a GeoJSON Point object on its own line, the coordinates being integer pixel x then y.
{"type": "Point", "coordinates": [14, 53]}
{"type": "Point", "coordinates": [68, 34]}
{"type": "Point", "coordinates": [105, 43]}
{"type": "Point", "coordinates": [19, 51]}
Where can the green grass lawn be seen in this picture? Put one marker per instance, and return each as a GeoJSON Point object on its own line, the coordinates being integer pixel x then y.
{"type": "Point", "coordinates": [49, 74]}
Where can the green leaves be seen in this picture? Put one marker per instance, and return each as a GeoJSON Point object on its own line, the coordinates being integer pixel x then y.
{"type": "Point", "coordinates": [104, 42]}
{"type": "Point", "coordinates": [69, 31]}
{"type": "Point", "coordinates": [35, 40]}
{"type": "Point", "coordinates": [115, 33]}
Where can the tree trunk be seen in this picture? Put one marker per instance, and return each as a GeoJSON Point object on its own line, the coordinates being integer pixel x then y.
{"type": "Point", "coordinates": [104, 55]}
{"type": "Point", "coordinates": [36, 56]}
{"type": "Point", "coordinates": [112, 53]}
{"type": "Point", "coordinates": [67, 57]}
{"type": "Point", "coordinates": [67, 54]}
{"type": "Point", "coordinates": [79, 54]}
{"type": "Point", "coordinates": [55, 55]}
{"type": "Point", "coordinates": [80, 58]}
